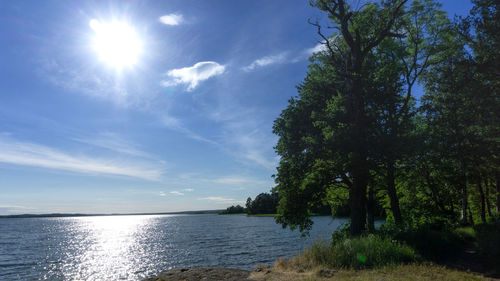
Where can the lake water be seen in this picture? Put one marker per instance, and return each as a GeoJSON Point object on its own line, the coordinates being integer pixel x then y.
{"type": "Point", "coordinates": [135, 247]}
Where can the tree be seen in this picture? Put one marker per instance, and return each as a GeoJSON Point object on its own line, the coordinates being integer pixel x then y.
{"type": "Point", "coordinates": [264, 203]}
{"type": "Point", "coordinates": [362, 31]}
{"type": "Point", "coordinates": [354, 104]}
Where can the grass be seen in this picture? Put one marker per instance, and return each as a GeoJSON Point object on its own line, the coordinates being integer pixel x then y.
{"type": "Point", "coordinates": [467, 233]}
{"type": "Point", "coordinates": [411, 272]}
{"type": "Point", "coordinates": [356, 253]}
{"type": "Point", "coordinates": [370, 257]}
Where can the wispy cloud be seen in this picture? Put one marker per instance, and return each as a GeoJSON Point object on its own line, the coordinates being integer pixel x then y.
{"type": "Point", "coordinates": [268, 60]}
{"type": "Point", "coordinates": [14, 209]}
{"type": "Point", "coordinates": [113, 142]}
{"type": "Point", "coordinates": [176, 125]}
{"type": "Point", "coordinates": [30, 154]}
{"type": "Point", "coordinates": [237, 180]}
{"type": "Point", "coordinates": [188, 189]}
{"type": "Point", "coordinates": [175, 192]}
{"type": "Point", "coordinates": [320, 47]}
{"type": "Point", "coordinates": [193, 75]}
{"type": "Point", "coordinates": [220, 200]}
{"type": "Point", "coordinates": [162, 194]}
{"type": "Point", "coordinates": [171, 19]}
{"type": "Point", "coordinates": [128, 90]}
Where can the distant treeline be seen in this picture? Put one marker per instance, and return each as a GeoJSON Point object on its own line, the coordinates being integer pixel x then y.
{"type": "Point", "coordinates": [267, 203]}
{"type": "Point", "coordinates": [264, 203]}
{"type": "Point", "coordinates": [63, 215]}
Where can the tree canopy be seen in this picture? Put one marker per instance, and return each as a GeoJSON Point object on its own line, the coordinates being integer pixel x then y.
{"type": "Point", "coordinates": [357, 133]}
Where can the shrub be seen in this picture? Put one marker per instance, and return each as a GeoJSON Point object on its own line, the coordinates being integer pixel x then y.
{"type": "Point", "coordinates": [434, 245]}
{"type": "Point", "coordinates": [434, 241]}
{"type": "Point", "coordinates": [364, 252]}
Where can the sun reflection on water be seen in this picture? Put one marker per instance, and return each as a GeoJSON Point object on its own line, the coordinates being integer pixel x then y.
{"type": "Point", "coordinates": [107, 247]}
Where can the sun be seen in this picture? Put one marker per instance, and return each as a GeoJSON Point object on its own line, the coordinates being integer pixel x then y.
{"type": "Point", "coordinates": [116, 43]}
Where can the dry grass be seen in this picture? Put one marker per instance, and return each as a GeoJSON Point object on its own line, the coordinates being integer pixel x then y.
{"type": "Point", "coordinates": [283, 272]}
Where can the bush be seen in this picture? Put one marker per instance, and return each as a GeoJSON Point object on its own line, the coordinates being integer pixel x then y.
{"type": "Point", "coordinates": [356, 253]}
{"type": "Point", "coordinates": [436, 245]}
{"type": "Point", "coordinates": [436, 241]}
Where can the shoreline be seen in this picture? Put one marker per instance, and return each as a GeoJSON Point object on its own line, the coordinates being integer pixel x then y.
{"type": "Point", "coordinates": [425, 272]}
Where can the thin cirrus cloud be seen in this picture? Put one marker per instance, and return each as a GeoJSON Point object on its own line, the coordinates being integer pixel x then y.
{"type": "Point", "coordinates": [220, 200]}
{"type": "Point", "coordinates": [113, 142]}
{"type": "Point", "coordinates": [171, 19]}
{"type": "Point", "coordinates": [30, 154]}
{"type": "Point", "coordinates": [193, 75]}
{"type": "Point", "coordinates": [265, 61]}
{"type": "Point", "coordinates": [175, 192]}
{"type": "Point", "coordinates": [236, 180]}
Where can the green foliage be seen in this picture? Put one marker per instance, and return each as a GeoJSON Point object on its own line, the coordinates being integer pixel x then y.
{"type": "Point", "coordinates": [233, 210]}
{"type": "Point", "coordinates": [467, 233]}
{"type": "Point", "coordinates": [356, 135]}
{"type": "Point", "coordinates": [357, 253]}
{"type": "Point", "coordinates": [437, 240]}
{"type": "Point", "coordinates": [264, 203]}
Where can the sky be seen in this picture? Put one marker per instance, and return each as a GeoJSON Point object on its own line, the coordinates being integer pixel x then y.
{"type": "Point", "coordinates": [146, 106]}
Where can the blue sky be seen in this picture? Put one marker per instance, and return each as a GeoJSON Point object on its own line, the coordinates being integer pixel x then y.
{"type": "Point", "coordinates": [186, 127]}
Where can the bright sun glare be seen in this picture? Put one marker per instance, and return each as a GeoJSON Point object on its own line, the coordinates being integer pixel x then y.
{"type": "Point", "coordinates": [116, 43]}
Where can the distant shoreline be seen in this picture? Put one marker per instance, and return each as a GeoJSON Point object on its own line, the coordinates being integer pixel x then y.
{"type": "Point", "coordinates": [65, 215]}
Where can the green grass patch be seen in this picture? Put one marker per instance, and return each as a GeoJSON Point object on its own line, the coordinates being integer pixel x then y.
{"type": "Point", "coordinates": [467, 233]}
{"type": "Point", "coordinates": [355, 253]}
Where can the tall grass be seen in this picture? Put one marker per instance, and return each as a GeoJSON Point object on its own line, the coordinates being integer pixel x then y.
{"type": "Point", "coordinates": [356, 253]}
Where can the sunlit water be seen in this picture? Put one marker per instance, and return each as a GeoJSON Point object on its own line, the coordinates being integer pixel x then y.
{"type": "Point", "coordinates": [136, 247]}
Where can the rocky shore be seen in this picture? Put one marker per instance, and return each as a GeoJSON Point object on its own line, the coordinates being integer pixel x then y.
{"type": "Point", "coordinates": [202, 273]}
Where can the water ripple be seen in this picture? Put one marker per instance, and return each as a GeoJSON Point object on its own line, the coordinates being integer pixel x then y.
{"type": "Point", "coordinates": [135, 247]}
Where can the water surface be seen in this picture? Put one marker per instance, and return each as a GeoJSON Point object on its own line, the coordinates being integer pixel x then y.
{"type": "Point", "coordinates": [135, 247]}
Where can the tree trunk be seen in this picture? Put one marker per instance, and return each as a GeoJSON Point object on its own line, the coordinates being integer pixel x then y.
{"type": "Point", "coordinates": [463, 187]}
{"type": "Point", "coordinates": [471, 218]}
{"type": "Point", "coordinates": [487, 193]}
{"type": "Point", "coordinates": [497, 180]}
{"type": "Point", "coordinates": [393, 196]}
{"type": "Point", "coordinates": [481, 194]}
{"type": "Point", "coordinates": [370, 210]}
{"type": "Point", "coordinates": [357, 200]}
{"type": "Point", "coordinates": [358, 157]}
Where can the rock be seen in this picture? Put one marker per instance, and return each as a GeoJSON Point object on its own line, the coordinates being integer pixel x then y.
{"type": "Point", "coordinates": [201, 273]}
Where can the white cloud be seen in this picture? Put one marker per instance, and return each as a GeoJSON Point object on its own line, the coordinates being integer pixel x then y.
{"type": "Point", "coordinates": [320, 47]}
{"type": "Point", "coordinates": [236, 180]}
{"type": "Point", "coordinates": [188, 189]}
{"type": "Point", "coordinates": [268, 60]}
{"type": "Point", "coordinates": [220, 200]}
{"type": "Point", "coordinates": [193, 75]}
{"type": "Point", "coordinates": [162, 193]}
{"type": "Point", "coordinates": [30, 154]}
{"type": "Point", "coordinates": [172, 19]}
{"type": "Point", "coordinates": [176, 192]}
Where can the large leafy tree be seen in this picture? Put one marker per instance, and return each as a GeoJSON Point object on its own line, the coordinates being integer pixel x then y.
{"type": "Point", "coordinates": [352, 119]}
